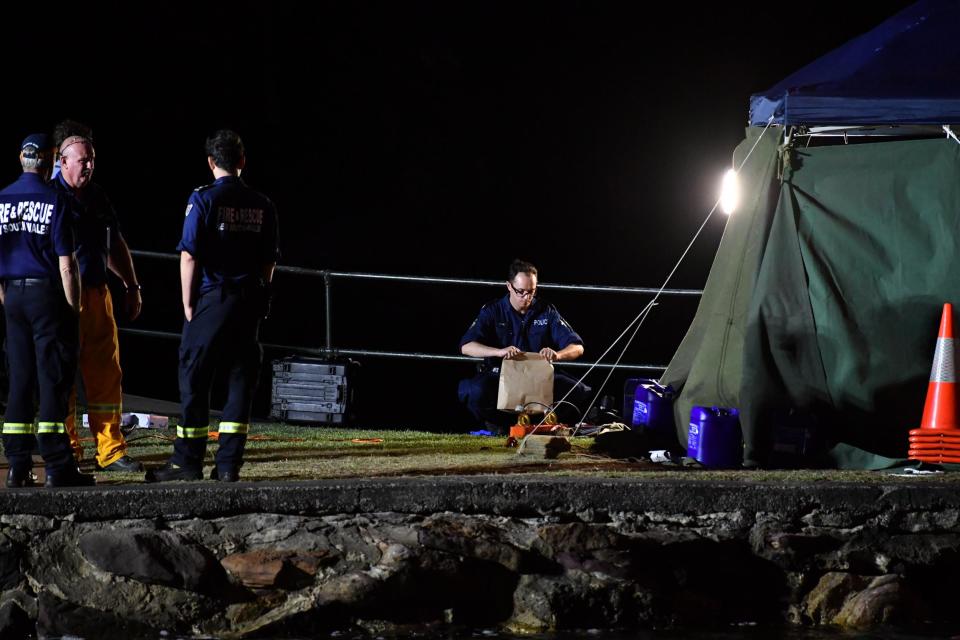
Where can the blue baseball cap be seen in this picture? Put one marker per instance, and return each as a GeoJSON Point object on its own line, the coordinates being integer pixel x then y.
{"type": "Point", "coordinates": [34, 143]}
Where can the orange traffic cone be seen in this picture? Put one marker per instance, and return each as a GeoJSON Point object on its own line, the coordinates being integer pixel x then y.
{"type": "Point", "coordinates": [938, 438]}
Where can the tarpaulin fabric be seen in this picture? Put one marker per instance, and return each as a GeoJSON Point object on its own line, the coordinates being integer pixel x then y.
{"type": "Point", "coordinates": [863, 251]}
{"type": "Point", "coordinates": [904, 71]}
{"type": "Point", "coordinates": [707, 366]}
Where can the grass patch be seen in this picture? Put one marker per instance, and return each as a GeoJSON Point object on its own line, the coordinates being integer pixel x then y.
{"type": "Point", "coordinates": [286, 452]}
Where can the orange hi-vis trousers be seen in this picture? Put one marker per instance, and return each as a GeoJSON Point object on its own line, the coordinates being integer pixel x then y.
{"type": "Point", "coordinates": [100, 370]}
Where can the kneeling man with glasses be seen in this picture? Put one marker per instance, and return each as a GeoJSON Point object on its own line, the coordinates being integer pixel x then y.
{"type": "Point", "coordinates": [519, 322]}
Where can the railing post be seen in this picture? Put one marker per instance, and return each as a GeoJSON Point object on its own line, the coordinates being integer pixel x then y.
{"type": "Point", "coordinates": [328, 301]}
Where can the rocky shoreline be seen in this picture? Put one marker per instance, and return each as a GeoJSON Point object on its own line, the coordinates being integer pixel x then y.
{"type": "Point", "coordinates": [526, 554]}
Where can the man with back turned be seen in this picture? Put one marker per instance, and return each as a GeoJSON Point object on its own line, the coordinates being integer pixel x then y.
{"type": "Point", "coordinates": [41, 301]}
{"type": "Point", "coordinates": [228, 252]}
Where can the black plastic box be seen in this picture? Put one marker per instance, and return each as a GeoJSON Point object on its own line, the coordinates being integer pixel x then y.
{"type": "Point", "coordinates": [312, 390]}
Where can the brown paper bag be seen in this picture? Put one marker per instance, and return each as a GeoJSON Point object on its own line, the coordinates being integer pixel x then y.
{"type": "Point", "coordinates": [526, 378]}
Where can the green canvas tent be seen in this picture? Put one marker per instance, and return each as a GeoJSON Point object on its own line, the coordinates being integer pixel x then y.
{"type": "Point", "coordinates": [823, 302]}
{"type": "Point", "coordinates": [826, 292]}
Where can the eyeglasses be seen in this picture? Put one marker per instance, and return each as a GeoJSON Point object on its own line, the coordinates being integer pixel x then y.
{"type": "Point", "coordinates": [523, 293]}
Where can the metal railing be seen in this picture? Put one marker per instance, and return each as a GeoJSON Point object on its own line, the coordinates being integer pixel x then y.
{"type": "Point", "coordinates": [329, 276]}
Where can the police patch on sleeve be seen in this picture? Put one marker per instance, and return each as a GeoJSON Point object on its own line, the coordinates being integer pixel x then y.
{"type": "Point", "coordinates": [189, 206]}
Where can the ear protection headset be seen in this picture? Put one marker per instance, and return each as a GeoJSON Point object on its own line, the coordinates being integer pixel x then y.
{"type": "Point", "coordinates": [72, 140]}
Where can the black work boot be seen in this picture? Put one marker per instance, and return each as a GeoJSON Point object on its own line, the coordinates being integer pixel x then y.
{"type": "Point", "coordinates": [19, 478]}
{"type": "Point", "coordinates": [69, 476]}
{"type": "Point", "coordinates": [124, 464]}
{"type": "Point", "coordinates": [231, 474]}
{"type": "Point", "coordinates": [170, 472]}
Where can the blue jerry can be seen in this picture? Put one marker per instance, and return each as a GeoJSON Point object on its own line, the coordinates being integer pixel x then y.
{"type": "Point", "coordinates": [714, 439]}
{"type": "Point", "coordinates": [653, 407]}
{"type": "Point", "coordinates": [629, 393]}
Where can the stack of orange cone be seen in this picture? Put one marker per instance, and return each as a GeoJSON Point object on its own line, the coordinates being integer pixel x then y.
{"type": "Point", "coordinates": [938, 438]}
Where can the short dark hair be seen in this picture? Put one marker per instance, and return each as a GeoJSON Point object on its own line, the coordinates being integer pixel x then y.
{"type": "Point", "coordinates": [521, 266]}
{"type": "Point", "coordinates": [226, 149]}
{"type": "Point", "coordinates": [67, 128]}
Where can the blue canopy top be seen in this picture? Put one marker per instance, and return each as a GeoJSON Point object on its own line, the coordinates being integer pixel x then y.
{"type": "Point", "coordinates": [905, 71]}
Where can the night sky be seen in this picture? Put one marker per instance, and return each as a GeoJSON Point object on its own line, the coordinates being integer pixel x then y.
{"type": "Point", "coordinates": [440, 138]}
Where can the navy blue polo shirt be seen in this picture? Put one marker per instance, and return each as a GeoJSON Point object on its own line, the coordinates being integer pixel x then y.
{"type": "Point", "coordinates": [96, 228]}
{"type": "Point", "coordinates": [499, 325]}
{"type": "Point", "coordinates": [232, 231]}
{"type": "Point", "coordinates": [34, 229]}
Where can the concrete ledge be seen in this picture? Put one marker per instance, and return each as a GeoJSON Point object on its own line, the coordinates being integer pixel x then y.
{"type": "Point", "coordinates": [524, 553]}
{"type": "Point", "coordinates": [522, 496]}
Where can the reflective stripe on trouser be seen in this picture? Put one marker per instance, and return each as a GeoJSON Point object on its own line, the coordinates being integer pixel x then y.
{"type": "Point", "coordinates": [231, 443]}
{"type": "Point", "coordinates": [190, 446]}
{"type": "Point", "coordinates": [42, 346]}
{"type": "Point", "coordinates": [222, 333]}
{"type": "Point", "coordinates": [18, 428]}
{"type": "Point", "coordinates": [193, 432]}
{"type": "Point", "coordinates": [101, 377]}
{"type": "Point", "coordinates": [51, 427]}
{"type": "Point", "coordinates": [19, 443]}
{"type": "Point", "coordinates": [233, 427]}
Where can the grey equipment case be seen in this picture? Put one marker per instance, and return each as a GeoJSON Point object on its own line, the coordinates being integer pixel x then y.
{"type": "Point", "coordinates": [312, 390]}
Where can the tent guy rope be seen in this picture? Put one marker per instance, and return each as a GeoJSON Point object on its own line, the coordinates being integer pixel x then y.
{"type": "Point", "coordinates": [640, 317]}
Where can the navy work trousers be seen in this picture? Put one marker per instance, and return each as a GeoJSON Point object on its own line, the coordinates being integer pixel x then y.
{"type": "Point", "coordinates": [220, 340]}
{"type": "Point", "coordinates": [43, 345]}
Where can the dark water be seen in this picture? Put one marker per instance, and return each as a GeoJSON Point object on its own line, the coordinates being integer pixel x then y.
{"type": "Point", "coordinates": [735, 633]}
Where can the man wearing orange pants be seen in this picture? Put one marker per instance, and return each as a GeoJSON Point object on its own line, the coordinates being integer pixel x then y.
{"type": "Point", "coordinates": [99, 247]}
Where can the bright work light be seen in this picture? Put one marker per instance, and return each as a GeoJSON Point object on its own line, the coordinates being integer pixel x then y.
{"type": "Point", "coordinates": [729, 192]}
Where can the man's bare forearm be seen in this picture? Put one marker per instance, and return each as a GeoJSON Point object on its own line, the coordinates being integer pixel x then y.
{"type": "Point", "coordinates": [476, 350]}
{"type": "Point", "coordinates": [188, 279]}
{"type": "Point", "coordinates": [570, 352]}
{"type": "Point", "coordinates": [70, 278]}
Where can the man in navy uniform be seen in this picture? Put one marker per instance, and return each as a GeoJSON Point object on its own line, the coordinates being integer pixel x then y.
{"type": "Point", "coordinates": [64, 130]}
{"type": "Point", "coordinates": [516, 323]}
{"type": "Point", "coordinates": [41, 301]}
{"type": "Point", "coordinates": [228, 252]}
{"type": "Point", "coordinates": [100, 247]}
